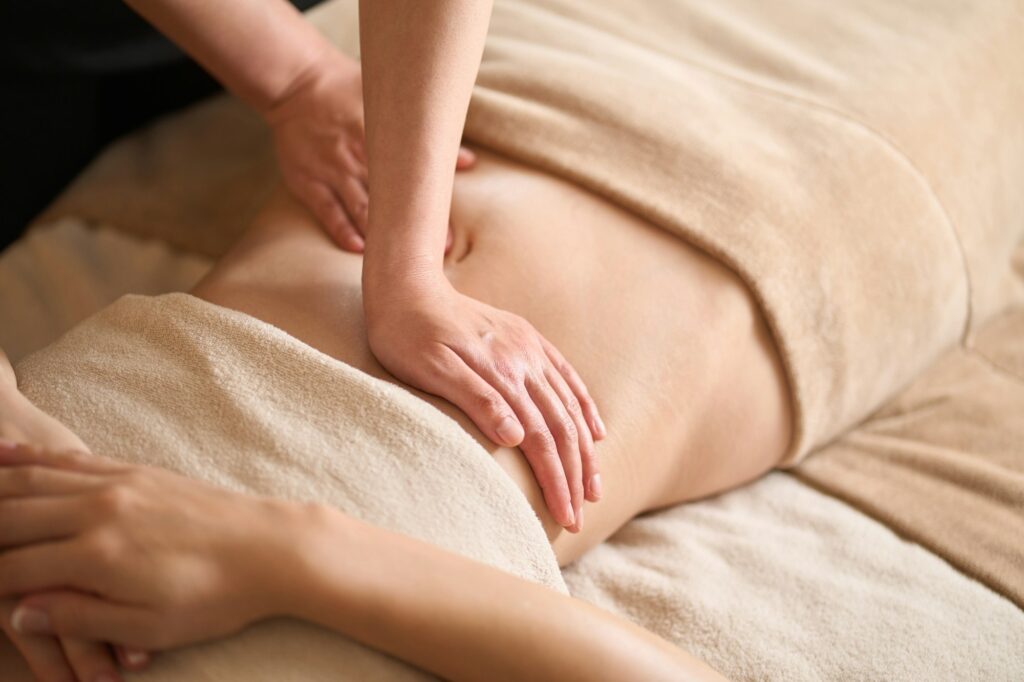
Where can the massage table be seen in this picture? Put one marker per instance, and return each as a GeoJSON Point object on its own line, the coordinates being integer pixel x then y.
{"type": "Point", "coordinates": [894, 551]}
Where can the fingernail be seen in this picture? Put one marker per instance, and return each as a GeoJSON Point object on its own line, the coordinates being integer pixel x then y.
{"type": "Point", "coordinates": [135, 657]}
{"type": "Point", "coordinates": [30, 621]}
{"type": "Point", "coordinates": [509, 431]}
{"type": "Point", "coordinates": [570, 518]}
{"type": "Point", "coordinates": [595, 485]}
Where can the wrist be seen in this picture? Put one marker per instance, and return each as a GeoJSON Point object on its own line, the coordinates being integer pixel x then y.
{"type": "Point", "coordinates": [323, 68]}
{"type": "Point", "coordinates": [392, 281]}
{"type": "Point", "coordinates": [308, 549]}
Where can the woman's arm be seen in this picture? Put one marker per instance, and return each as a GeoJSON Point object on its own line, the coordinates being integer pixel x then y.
{"type": "Point", "coordinates": [158, 561]}
{"type": "Point", "coordinates": [269, 56]}
{"type": "Point", "coordinates": [420, 61]}
{"type": "Point", "coordinates": [50, 658]}
{"type": "Point", "coordinates": [464, 620]}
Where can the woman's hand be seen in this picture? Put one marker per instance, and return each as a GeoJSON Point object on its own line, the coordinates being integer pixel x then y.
{"type": "Point", "coordinates": [51, 658]}
{"type": "Point", "coordinates": [135, 556]}
{"type": "Point", "coordinates": [318, 135]}
{"type": "Point", "coordinates": [493, 365]}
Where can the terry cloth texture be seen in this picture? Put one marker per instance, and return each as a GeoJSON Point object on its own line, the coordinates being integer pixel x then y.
{"type": "Point", "coordinates": [943, 464]}
{"type": "Point", "coordinates": [780, 582]}
{"type": "Point", "coordinates": [61, 273]}
{"type": "Point", "coordinates": [747, 580]}
{"type": "Point", "coordinates": [858, 164]}
{"type": "Point", "coordinates": [216, 395]}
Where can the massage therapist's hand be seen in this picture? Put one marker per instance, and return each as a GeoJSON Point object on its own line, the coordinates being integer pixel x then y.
{"type": "Point", "coordinates": [508, 379]}
{"type": "Point", "coordinates": [318, 136]}
{"type": "Point", "coordinates": [136, 556]}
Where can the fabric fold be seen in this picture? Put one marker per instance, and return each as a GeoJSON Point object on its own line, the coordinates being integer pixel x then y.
{"type": "Point", "coordinates": [216, 395]}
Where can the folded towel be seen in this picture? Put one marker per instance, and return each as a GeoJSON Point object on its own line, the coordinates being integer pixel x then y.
{"type": "Point", "coordinates": [214, 394]}
{"type": "Point", "coordinates": [858, 164]}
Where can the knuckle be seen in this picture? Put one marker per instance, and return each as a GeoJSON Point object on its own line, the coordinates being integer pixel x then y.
{"type": "Point", "coordinates": [572, 404]}
{"type": "Point", "coordinates": [565, 430]}
{"type": "Point", "coordinates": [490, 404]}
{"type": "Point", "coordinates": [508, 373]}
{"type": "Point", "coordinates": [541, 440]}
{"type": "Point", "coordinates": [114, 501]}
{"type": "Point", "coordinates": [105, 549]}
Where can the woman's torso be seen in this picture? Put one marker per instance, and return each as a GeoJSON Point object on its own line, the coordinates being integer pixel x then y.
{"type": "Point", "coordinates": [658, 330]}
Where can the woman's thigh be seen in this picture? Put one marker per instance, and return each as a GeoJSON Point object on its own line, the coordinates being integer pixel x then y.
{"type": "Point", "coordinates": [670, 343]}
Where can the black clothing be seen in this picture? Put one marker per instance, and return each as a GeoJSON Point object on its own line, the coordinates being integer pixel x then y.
{"type": "Point", "coordinates": [75, 75]}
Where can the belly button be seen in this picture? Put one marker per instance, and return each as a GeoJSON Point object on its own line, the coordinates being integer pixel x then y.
{"type": "Point", "coordinates": [462, 246]}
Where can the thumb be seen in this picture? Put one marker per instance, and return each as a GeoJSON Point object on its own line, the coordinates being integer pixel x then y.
{"type": "Point", "coordinates": [465, 160]}
{"type": "Point", "coordinates": [66, 613]}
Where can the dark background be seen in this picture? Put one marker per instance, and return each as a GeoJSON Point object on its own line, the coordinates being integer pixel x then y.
{"type": "Point", "coordinates": [75, 75]}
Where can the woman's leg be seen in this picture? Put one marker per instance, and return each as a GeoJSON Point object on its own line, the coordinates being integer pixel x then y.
{"type": "Point", "coordinates": [671, 343]}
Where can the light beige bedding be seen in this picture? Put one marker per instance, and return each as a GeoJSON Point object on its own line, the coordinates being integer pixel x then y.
{"type": "Point", "coordinates": [774, 581]}
{"type": "Point", "coordinates": [859, 164]}
{"type": "Point", "coordinates": [214, 394]}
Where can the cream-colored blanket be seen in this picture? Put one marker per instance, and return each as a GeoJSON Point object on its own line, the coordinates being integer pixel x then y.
{"type": "Point", "coordinates": [773, 581]}
{"type": "Point", "coordinates": [216, 395]}
{"type": "Point", "coordinates": [860, 164]}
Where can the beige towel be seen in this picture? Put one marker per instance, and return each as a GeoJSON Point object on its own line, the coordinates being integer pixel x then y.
{"type": "Point", "coordinates": [61, 273]}
{"type": "Point", "coordinates": [943, 464]}
{"type": "Point", "coordinates": [739, 579]}
{"type": "Point", "coordinates": [859, 164]}
{"type": "Point", "coordinates": [779, 582]}
{"type": "Point", "coordinates": [217, 395]}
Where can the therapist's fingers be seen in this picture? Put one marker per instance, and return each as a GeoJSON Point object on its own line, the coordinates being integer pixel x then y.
{"type": "Point", "coordinates": [329, 212]}
{"type": "Point", "coordinates": [578, 388]}
{"type": "Point", "coordinates": [587, 454]}
{"type": "Point", "coordinates": [356, 201]}
{"type": "Point", "coordinates": [460, 384]}
{"type": "Point", "coordinates": [90, 660]}
{"type": "Point", "coordinates": [541, 450]}
{"type": "Point", "coordinates": [566, 438]}
{"type": "Point", "coordinates": [548, 439]}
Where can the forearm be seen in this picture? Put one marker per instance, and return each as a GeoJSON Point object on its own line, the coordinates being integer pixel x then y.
{"type": "Point", "coordinates": [464, 620]}
{"type": "Point", "coordinates": [256, 48]}
{"type": "Point", "coordinates": [420, 60]}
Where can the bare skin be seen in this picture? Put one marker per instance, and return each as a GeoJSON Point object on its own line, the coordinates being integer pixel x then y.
{"type": "Point", "coordinates": [672, 344]}
{"type": "Point", "coordinates": [419, 63]}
